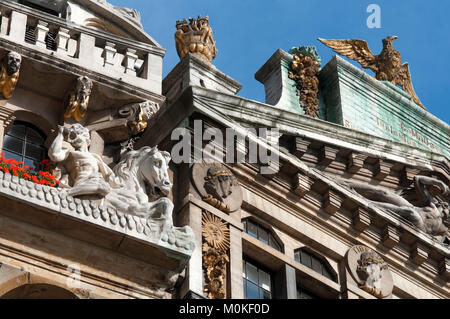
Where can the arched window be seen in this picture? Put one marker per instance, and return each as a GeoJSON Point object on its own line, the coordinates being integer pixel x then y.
{"type": "Point", "coordinates": [261, 233]}
{"type": "Point", "coordinates": [316, 263]}
{"type": "Point", "coordinates": [25, 143]}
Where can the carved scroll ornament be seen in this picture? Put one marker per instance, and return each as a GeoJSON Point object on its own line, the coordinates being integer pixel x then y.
{"type": "Point", "coordinates": [9, 76]}
{"type": "Point", "coordinates": [195, 37]}
{"type": "Point", "coordinates": [216, 238]}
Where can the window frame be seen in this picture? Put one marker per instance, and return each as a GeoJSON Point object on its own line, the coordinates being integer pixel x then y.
{"type": "Point", "coordinates": [260, 268]}
{"type": "Point", "coordinates": [272, 240]}
{"type": "Point", "coordinates": [326, 270]}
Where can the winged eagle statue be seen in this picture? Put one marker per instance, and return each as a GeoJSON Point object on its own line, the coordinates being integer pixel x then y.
{"type": "Point", "coordinates": [387, 65]}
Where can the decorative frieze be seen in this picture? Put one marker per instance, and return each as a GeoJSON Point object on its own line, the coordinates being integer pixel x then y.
{"type": "Point", "coordinates": [10, 71]}
{"type": "Point", "coordinates": [216, 238]}
{"type": "Point", "coordinates": [369, 271]}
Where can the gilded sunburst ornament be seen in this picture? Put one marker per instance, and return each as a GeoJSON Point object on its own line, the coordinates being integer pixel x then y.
{"type": "Point", "coordinates": [215, 232]}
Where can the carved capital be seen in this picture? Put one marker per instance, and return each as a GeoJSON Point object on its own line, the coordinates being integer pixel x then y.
{"type": "Point", "coordinates": [195, 37]}
{"type": "Point", "coordinates": [9, 76]}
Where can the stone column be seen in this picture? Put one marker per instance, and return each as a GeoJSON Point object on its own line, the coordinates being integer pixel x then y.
{"type": "Point", "coordinates": [191, 215]}
{"type": "Point", "coordinates": [235, 280]}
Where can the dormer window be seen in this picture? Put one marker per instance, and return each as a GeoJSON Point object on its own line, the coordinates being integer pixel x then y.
{"type": "Point", "coordinates": [54, 7]}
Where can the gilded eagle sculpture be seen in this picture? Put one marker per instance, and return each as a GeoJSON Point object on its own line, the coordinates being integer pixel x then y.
{"type": "Point", "coordinates": [387, 65]}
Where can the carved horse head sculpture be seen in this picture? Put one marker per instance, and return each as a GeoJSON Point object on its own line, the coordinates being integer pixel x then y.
{"type": "Point", "coordinates": [145, 169]}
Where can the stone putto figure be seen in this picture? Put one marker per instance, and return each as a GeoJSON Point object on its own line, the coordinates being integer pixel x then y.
{"type": "Point", "coordinates": [84, 173]}
{"type": "Point", "coordinates": [9, 75]}
{"type": "Point", "coordinates": [78, 99]}
{"type": "Point", "coordinates": [429, 217]}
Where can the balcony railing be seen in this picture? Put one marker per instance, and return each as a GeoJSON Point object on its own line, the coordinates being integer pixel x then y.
{"type": "Point", "coordinates": [136, 63]}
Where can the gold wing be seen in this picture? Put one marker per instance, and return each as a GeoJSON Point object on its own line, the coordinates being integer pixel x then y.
{"type": "Point", "coordinates": [403, 78]}
{"type": "Point", "coordinates": [353, 49]}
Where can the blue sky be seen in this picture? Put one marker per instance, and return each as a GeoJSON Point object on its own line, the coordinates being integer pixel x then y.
{"type": "Point", "coordinates": [248, 32]}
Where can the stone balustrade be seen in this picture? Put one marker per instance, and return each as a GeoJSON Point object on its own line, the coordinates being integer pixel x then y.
{"type": "Point", "coordinates": [133, 62]}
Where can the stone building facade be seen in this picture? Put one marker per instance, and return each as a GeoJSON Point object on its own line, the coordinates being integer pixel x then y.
{"type": "Point", "coordinates": [346, 198]}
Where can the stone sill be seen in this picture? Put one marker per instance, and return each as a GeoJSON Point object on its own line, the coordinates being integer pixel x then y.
{"type": "Point", "coordinates": [52, 209]}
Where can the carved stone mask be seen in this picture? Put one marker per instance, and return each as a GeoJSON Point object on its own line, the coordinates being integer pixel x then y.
{"type": "Point", "coordinates": [219, 182]}
{"type": "Point", "coordinates": [84, 86]}
{"type": "Point", "coordinates": [13, 62]}
{"type": "Point", "coordinates": [369, 269]}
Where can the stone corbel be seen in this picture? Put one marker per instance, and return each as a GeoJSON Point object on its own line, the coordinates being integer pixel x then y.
{"type": "Point", "coordinates": [300, 147]}
{"type": "Point", "coordinates": [419, 253]}
{"type": "Point", "coordinates": [332, 202]}
{"type": "Point", "coordinates": [408, 174]}
{"type": "Point", "coordinates": [382, 169]}
{"type": "Point", "coordinates": [361, 219]}
{"type": "Point", "coordinates": [138, 114]}
{"type": "Point", "coordinates": [327, 155]}
{"type": "Point", "coordinates": [444, 268]}
{"type": "Point", "coordinates": [355, 162]}
{"type": "Point", "coordinates": [390, 236]}
{"type": "Point", "coordinates": [302, 184]}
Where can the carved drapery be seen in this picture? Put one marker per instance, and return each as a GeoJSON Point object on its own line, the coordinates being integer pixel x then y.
{"type": "Point", "coordinates": [195, 37]}
{"type": "Point", "coordinates": [216, 243]}
{"type": "Point", "coordinates": [304, 70]}
{"type": "Point", "coordinates": [9, 76]}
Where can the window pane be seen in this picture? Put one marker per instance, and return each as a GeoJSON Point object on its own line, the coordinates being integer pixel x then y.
{"type": "Point", "coordinates": [8, 155]}
{"type": "Point", "coordinates": [264, 280]}
{"type": "Point", "coordinates": [316, 265]}
{"type": "Point", "coordinates": [252, 291]}
{"type": "Point", "coordinates": [35, 165]}
{"type": "Point", "coordinates": [273, 243]}
{"type": "Point", "coordinates": [263, 236]}
{"type": "Point", "coordinates": [305, 259]}
{"type": "Point", "coordinates": [13, 144]}
{"type": "Point", "coordinates": [297, 256]}
{"type": "Point", "coordinates": [266, 295]}
{"type": "Point", "coordinates": [252, 229]}
{"type": "Point", "coordinates": [17, 130]}
{"type": "Point", "coordinates": [252, 273]}
{"type": "Point", "coordinates": [34, 137]}
{"type": "Point", "coordinates": [34, 152]}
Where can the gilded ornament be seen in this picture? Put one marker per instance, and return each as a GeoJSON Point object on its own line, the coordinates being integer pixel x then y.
{"type": "Point", "coordinates": [138, 115]}
{"type": "Point", "coordinates": [216, 238]}
{"type": "Point", "coordinates": [195, 37]}
{"type": "Point", "coordinates": [387, 65]}
{"type": "Point", "coordinates": [10, 73]}
{"type": "Point", "coordinates": [78, 99]}
{"type": "Point", "coordinates": [304, 70]}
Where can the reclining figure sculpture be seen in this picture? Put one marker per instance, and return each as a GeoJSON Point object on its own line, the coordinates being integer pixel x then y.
{"type": "Point", "coordinates": [84, 174]}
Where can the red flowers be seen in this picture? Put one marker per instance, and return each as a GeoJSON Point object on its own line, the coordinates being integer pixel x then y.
{"type": "Point", "coordinates": [45, 177]}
